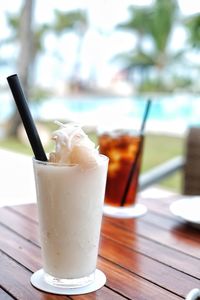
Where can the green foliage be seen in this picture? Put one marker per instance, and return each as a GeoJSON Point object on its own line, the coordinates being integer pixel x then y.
{"type": "Point", "coordinates": [38, 94]}
{"type": "Point", "coordinates": [38, 37]}
{"type": "Point", "coordinates": [14, 22]}
{"type": "Point", "coordinates": [159, 85]}
{"type": "Point", "coordinates": [153, 23]}
{"type": "Point", "coordinates": [13, 144]}
{"type": "Point", "coordinates": [157, 150]}
{"type": "Point", "coordinates": [38, 34]}
{"type": "Point", "coordinates": [156, 85]}
{"type": "Point", "coordinates": [161, 22]}
{"type": "Point", "coordinates": [135, 60]}
{"type": "Point", "coordinates": [71, 21]}
{"type": "Point", "coordinates": [138, 20]}
{"type": "Point", "coordinates": [160, 148]}
{"type": "Point", "coordinates": [193, 27]}
{"type": "Point", "coordinates": [181, 82]}
{"type": "Point", "coordinates": [74, 20]}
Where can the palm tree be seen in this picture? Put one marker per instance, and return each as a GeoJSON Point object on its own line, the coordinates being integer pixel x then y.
{"type": "Point", "coordinates": [155, 25]}
{"type": "Point", "coordinates": [136, 24]}
{"type": "Point", "coordinates": [73, 21]}
{"type": "Point", "coordinates": [25, 34]}
{"type": "Point", "coordinates": [193, 28]}
{"type": "Point", "coordinates": [192, 25]}
{"type": "Point", "coordinates": [30, 45]}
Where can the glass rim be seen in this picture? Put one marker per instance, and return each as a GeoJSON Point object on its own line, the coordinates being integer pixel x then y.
{"type": "Point", "coordinates": [118, 132]}
{"type": "Point", "coordinates": [49, 163]}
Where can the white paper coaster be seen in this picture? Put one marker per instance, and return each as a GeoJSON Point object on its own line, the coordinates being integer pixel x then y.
{"type": "Point", "coordinates": [37, 280]}
{"type": "Point", "coordinates": [125, 212]}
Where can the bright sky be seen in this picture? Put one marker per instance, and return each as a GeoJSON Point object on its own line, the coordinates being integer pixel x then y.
{"type": "Point", "coordinates": [98, 50]}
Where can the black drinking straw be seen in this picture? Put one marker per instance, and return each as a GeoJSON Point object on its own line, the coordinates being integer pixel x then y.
{"type": "Point", "coordinates": [134, 165]}
{"type": "Point", "coordinates": [26, 117]}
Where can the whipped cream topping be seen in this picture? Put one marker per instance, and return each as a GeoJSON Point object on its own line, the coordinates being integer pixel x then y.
{"type": "Point", "coordinates": [73, 146]}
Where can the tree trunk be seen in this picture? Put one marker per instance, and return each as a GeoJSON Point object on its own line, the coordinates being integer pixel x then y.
{"type": "Point", "coordinates": [24, 58]}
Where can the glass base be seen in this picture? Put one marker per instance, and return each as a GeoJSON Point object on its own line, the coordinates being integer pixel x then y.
{"type": "Point", "coordinates": [126, 212]}
{"type": "Point", "coordinates": [38, 281]}
{"type": "Point", "coordinates": [69, 283]}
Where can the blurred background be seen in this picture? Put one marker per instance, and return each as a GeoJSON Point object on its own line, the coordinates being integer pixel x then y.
{"type": "Point", "coordinates": [97, 63]}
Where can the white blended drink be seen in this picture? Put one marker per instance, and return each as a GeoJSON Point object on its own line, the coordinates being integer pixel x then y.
{"type": "Point", "coordinates": [70, 194]}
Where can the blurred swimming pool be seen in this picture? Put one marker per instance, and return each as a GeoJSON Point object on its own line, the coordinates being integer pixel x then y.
{"type": "Point", "coordinates": [170, 114]}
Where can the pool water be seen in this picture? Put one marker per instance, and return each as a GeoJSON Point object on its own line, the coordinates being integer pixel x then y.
{"type": "Point", "coordinates": [169, 113]}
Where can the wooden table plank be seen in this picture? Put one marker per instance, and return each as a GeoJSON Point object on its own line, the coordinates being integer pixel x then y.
{"type": "Point", "coordinates": [22, 254]}
{"type": "Point", "coordinates": [158, 215]}
{"type": "Point", "coordinates": [172, 239]}
{"type": "Point", "coordinates": [141, 258]}
{"type": "Point", "coordinates": [11, 219]}
{"type": "Point", "coordinates": [170, 235]}
{"type": "Point", "coordinates": [161, 253]}
{"type": "Point", "coordinates": [172, 224]}
{"type": "Point", "coordinates": [29, 211]}
{"type": "Point", "coordinates": [160, 204]}
{"type": "Point", "coordinates": [132, 285]}
{"type": "Point", "coordinates": [19, 249]}
{"type": "Point", "coordinates": [145, 267]}
{"type": "Point", "coordinates": [16, 280]}
{"type": "Point", "coordinates": [105, 294]}
{"type": "Point", "coordinates": [5, 296]}
{"type": "Point", "coordinates": [149, 269]}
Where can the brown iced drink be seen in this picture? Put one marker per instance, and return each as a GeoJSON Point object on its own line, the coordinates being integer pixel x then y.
{"type": "Point", "coordinates": [121, 147]}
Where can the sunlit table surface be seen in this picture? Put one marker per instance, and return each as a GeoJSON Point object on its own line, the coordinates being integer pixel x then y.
{"type": "Point", "coordinates": [154, 257]}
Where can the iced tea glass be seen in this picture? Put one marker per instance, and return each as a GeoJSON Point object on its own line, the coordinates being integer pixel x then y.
{"type": "Point", "coordinates": [124, 149]}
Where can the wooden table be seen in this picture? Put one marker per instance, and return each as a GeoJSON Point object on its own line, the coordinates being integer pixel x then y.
{"type": "Point", "coordinates": [154, 257]}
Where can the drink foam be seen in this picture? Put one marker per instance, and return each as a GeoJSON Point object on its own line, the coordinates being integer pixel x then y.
{"type": "Point", "coordinates": [73, 146]}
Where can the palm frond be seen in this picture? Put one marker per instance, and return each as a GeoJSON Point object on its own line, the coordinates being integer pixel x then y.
{"type": "Point", "coordinates": [193, 27]}
{"type": "Point", "coordinates": [70, 21]}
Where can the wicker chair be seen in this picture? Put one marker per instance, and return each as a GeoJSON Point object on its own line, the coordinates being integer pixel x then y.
{"type": "Point", "coordinates": [191, 169]}
{"type": "Point", "coordinates": [189, 164]}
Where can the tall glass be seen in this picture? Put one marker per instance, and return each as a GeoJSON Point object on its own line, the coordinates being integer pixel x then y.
{"type": "Point", "coordinates": [124, 149]}
{"type": "Point", "coordinates": [70, 204]}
